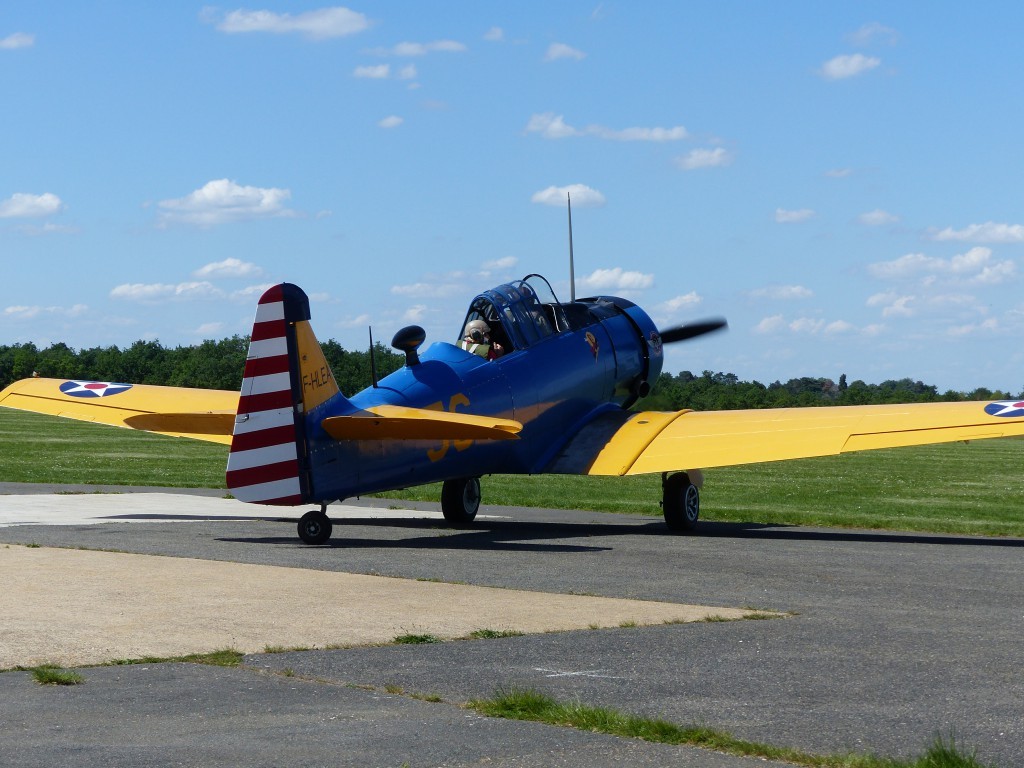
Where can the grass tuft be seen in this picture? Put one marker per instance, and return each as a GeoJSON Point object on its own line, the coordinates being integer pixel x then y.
{"type": "Point", "coordinates": [51, 674]}
{"type": "Point", "coordinates": [492, 634]}
{"type": "Point", "coordinates": [226, 657]}
{"type": "Point", "coordinates": [525, 704]}
{"type": "Point", "coordinates": [414, 639]}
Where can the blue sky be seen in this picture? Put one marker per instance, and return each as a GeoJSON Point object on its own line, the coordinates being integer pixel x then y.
{"type": "Point", "coordinates": [841, 181]}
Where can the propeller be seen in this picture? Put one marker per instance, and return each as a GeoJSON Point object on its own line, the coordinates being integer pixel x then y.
{"type": "Point", "coordinates": [692, 330]}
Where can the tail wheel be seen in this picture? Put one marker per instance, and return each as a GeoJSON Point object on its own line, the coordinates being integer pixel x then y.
{"type": "Point", "coordinates": [315, 527]}
{"type": "Point", "coordinates": [460, 500]}
{"type": "Point", "coordinates": [681, 502]}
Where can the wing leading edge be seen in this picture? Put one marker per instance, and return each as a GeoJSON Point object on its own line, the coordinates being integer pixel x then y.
{"type": "Point", "coordinates": [652, 442]}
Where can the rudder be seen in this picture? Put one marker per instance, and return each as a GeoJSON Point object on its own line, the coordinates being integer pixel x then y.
{"type": "Point", "coordinates": [285, 376]}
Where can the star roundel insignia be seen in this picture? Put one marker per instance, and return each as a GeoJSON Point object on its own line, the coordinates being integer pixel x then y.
{"type": "Point", "coordinates": [93, 388]}
{"type": "Point", "coordinates": [1007, 408]}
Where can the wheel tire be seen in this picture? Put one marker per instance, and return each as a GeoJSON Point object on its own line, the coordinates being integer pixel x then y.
{"type": "Point", "coordinates": [460, 500]}
{"type": "Point", "coordinates": [681, 503]}
{"type": "Point", "coordinates": [315, 527]}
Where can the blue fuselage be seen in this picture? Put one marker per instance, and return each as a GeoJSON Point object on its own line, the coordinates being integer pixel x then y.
{"type": "Point", "coordinates": [591, 357]}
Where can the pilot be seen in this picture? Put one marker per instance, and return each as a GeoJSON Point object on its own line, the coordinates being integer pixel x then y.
{"type": "Point", "coordinates": [476, 338]}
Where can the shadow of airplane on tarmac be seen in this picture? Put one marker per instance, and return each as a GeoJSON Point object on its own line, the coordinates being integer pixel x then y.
{"type": "Point", "coordinates": [527, 536]}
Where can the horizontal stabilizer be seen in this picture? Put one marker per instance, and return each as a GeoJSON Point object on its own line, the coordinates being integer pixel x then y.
{"type": "Point", "coordinates": [392, 422]}
{"type": "Point", "coordinates": [184, 423]}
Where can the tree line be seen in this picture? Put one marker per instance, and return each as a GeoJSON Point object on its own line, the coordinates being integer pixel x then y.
{"type": "Point", "coordinates": [219, 365]}
{"type": "Point", "coordinates": [210, 365]}
{"type": "Point", "coordinates": [724, 391]}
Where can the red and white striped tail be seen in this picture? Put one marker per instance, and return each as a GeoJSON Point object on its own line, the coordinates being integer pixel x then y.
{"type": "Point", "coordinates": [265, 465]}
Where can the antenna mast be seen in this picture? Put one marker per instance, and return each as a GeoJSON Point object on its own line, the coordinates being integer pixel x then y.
{"type": "Point", "coordinates": [373, 360]}
{"type": "Point", "coordinates": [572, 269]}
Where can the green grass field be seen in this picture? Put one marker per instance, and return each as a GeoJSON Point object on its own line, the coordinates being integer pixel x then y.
{"type": "Point", "coordinates": [954, 488]}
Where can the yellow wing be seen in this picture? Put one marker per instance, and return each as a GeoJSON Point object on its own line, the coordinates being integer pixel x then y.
{"type": "Point", "coordinates": [201, 414]}
{"type": "Point", "coordinates": [664, 442]}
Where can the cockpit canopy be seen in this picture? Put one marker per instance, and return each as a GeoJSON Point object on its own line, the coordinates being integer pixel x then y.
{"type": "Point", "coordinates": [519, 314]}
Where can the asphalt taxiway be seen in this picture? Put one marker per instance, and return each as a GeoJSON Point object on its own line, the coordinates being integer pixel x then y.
{"type": "Point", "coordinates": [890, 639]}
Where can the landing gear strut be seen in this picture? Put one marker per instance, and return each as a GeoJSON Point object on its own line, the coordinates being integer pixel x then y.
{"type": "Point", "coordinates": [680, 502]}
{"type": "Point", "coordinates": [460, 500]}
{"type": "Point", "coordinates": [315, 526]}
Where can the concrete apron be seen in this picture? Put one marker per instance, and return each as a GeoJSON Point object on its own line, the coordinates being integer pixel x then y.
{"type": "Point", "coordinates": [74, 607]}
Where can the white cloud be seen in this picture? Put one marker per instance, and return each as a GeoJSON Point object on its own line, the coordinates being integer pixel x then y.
{"type": "Point", "coordinates": [494, 35]}
{"type": "Point", "coordinates": [953, 300]}
{"type": "Point", "coordinates": [640, 134]}
{"type": "Point", "coordinates": [881, 298]}
{"type": "Point", "coordinates": [994, 274]}
{"type": "Point", "coordinates": [222, 201]}
{"type": "Point", "coordinates": [892, 304]}
{"type": "Point", "coordinates": [582, 196]}
{"type": "Point", "coordinates": [506, 262]}
{"type": "Point", "coordinates": [869, 33]}
{"type": "Point", "coordinates": [558, 51]}
{"type": "Point", "coordinates": [154, 292]}
{"type": "Point", "coordinates": [782, 216]}
{"type": "Point", "coordinates": [320, 24]}
{"type": "Point", "coordinates": [899, 308]}
{"type": "Point", "coordinates": [47, 228]}
{"type": "Point", "coordinates": [683, 301]}
{"type": "Point", "coordinates": [383, 72]}
{"type": "Point", "coordinates": [142, 291]}
{"type": "Point", "coordinates": [989, 232]}
{"type": "Point", "coordinates": [391, 121]}
{"type": "Point", "coordinates": [356, 322]}
{"type": "Point", "coordinates": [32, 312]}
{"type": "Point", "coordinates": [552, 126]}
{"type": "Point", "coordinates": [811, 326]}
{"type": "Point", "coordinates": [970, 329]}
{"type": "Point", "coordinates": [22, 205]}
{"type": "Point", "coordinates": [17, 40]}
{"type": "Point", "coordinates": [838, 173]}
{"type": "Point", "coordinates": [421, 49]}
{"type": "Point", "coordinates": [842, 67]}
{"type": "Point", "coordinates": [975, 266]}
{"type": "Point", "coordinates": [839, 326]}
{"type": "Point", "coordinates": [208, 330]}
{"type": "Point", "coordinates": [229, 267]}
{"type": "Point", "coordinates": [372, 72]}
{"type": "Point", "coordinates": [905, 266]}
{"type": "Point", "coordinates": [783, 292]}
{"type": "Point", "coordinates": [415, 313]}
{"type": "Point", "coordinates": [807, 325]}
{"type": "Point", "coordinates": [616, 279]}
{"type": "Point", "coordinates": [770, 324]}
{"type": "Point", "coordinates": [704, 158]}
{"type": "Point", "coordinates": [435, 290]}
{"type": "Point", "coordinates": [251, 292]}
{"type": "Point", "coordinates": [877, 218]}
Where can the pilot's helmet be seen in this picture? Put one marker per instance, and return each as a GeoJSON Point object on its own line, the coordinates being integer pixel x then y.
{"type": "Point", "coordinates": [475, 329]}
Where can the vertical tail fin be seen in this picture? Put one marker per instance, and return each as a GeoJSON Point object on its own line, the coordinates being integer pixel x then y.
{"type": "Point", "coordinates": [285, 377]}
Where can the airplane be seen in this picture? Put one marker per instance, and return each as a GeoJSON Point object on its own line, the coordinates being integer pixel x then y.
{"type": "Point", "coordinates": [558, 400]}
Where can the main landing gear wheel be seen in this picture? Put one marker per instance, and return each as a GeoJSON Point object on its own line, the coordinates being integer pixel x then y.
{"type": "Point", "coordinates": [315, 527]}
{"type": "Point", "coordinates": [460, 500]}
{"type": "Point", "coordinates": [681, 502]}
